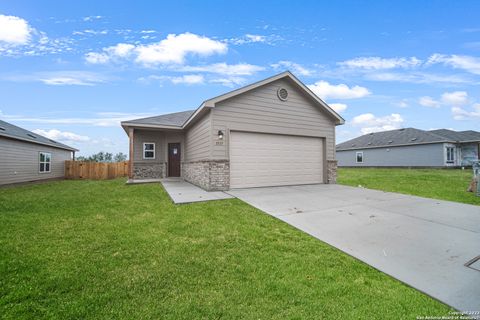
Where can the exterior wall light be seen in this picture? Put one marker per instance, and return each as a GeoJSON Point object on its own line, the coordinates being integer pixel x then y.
{"type": "Point", "coordinates": [220, 135]}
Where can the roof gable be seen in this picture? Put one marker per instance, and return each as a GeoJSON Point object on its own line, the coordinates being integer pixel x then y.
{"type": "Point", "coordinates": [181, 120]}
{"type": "Point", "coordinates": [284, 75]}
{"type": "Point", "coordinates": [11, 131]}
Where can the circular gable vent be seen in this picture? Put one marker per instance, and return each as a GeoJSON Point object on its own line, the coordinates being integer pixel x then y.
{"type": "Point", "coordinates": [282, 94]}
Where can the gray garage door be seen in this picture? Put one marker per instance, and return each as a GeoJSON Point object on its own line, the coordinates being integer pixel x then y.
{"type": "Point", "coordinates": [260, 160]}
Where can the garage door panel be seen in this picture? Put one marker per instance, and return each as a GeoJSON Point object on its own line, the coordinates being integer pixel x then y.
{"type": "Point", "coordinates": [258, 159]}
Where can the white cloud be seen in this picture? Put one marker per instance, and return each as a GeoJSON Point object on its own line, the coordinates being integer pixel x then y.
{"type": "Point", "coordinates": [325, 90]}
{"type": "Point", "coordinates": [239, 69]}
{"type": "Point", "coordinates": [467, 63]}
{"type": "Point", "coordinates": [456, 98]}
{"type": "Point", "coordinates": [381, 63]}
{"type": "Point", "coordinates": [338, 107]}
{"type": "Point", "coordinates": [97, 58]}
{"type": "Point", "coordinates": [416, 77]}
{"type": "Point", "coordinates": [188, 79]}
{"type": "Point", "coordinates": [402, 104]}
{"type": "Point", "coordinates": [65, 81]}
{"type": "Point", "coordinates": [61, 135]}
{"type": "Point", "coordinates": [173, 49]}
{"type": "Point", "coordinates": [14, 30]}
{"type": "Point", "coordinates": [371, 123]}
{"type": "Point", "coordinates": [230, 82]}
{"type": "Point", "coordinates": [80, 78]}
{"type": "Point", "coordinates": [100, 119]}
{"type": "Point", "coordinates": [427, 101]}
{"type": "Point", "coordinates": [91, 18]}
{"type": "Point", "coordinates": [462, 114]}
{"type": "Point", "coordinates": [18, 38]}
{"type": "Point", "coordinates": [91, 32]}
{"type": "Point", "coordinates": [255, 38]}
{"type": "Point", "coordinates": [118, 51]}
{"type": "Point", "coordinates": [59, 78]}
{"type": "Point", "coordinates": [292, 66]}
{"type": "Point", "coordinates": [248, 38]}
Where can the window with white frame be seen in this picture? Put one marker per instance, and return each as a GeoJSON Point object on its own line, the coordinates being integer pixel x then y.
{"type": "Point", "coordinates": [359, 157]}
{"type": "Point", "coordinates": [450, 154]}
{"type": "Point", "coordinates": [45, 162]}
{"type": "Point", "coordinates": [148, 150]}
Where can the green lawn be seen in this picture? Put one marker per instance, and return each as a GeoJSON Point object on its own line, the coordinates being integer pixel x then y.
{"type": "Point", "coordinates": [104, 250]}
{"type": "Point", "coordinates": [445, 184]}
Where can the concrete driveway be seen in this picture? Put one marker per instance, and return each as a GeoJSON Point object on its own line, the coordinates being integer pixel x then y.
{"type": "Point", "coordinates": [422, 242]}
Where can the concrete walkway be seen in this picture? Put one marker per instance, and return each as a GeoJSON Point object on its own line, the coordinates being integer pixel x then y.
{"type": "Point", "coordinates": [422, 242]}
{"type": "Point", "coordinates": [142, 181]}
{"type": "Point", "coordinates": [181, 191]}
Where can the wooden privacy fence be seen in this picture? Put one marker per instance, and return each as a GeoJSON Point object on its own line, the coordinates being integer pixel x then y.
{"type": "Point", "coordinates": [95, 170]}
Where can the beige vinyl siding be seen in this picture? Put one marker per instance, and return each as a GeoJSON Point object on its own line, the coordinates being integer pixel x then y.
{"type": "Point", "coordinates": [260, 110]}
{"type": "Point", "coordinates": [141, 136]}
{"type": "Point", "coordinates": [19, 161]}
{"type": "Point", "coordinates": [197, 139]}
{"type": "Point", "coordinates": [161, 140]}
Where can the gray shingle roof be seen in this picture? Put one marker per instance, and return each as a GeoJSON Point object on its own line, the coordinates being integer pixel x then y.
{"type": "Point", "coordinates": [11, 131]}
{"type": "Point", "coordinates": [407, 136]}
{"type": "Point", "coordinates": [460, 136]}
{"type": "Point", "coordinates": [176, 119]}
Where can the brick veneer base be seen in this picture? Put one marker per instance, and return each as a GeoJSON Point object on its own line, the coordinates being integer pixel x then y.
{"type": "Point", "coordinates": [211, 175]}
{"type": "Point", "coordinates": [149, 171]}
{"type": "Point", "coordinates": [332, 171]}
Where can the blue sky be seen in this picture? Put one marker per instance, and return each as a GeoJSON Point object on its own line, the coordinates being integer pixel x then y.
{"type": "Point", "coordinates": [72, 70]}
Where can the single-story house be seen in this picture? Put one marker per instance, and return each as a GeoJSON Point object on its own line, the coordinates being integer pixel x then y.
{"type": "Point", "coordinates": [26, 156]}
{"type": "Point", "coordinates": [410, 147]}
{"type": "Point", "coordinates": [270, 133]}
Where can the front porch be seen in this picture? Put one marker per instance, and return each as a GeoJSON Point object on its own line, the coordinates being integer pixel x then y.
{"type": "Point", "coordinates": [155, 154]}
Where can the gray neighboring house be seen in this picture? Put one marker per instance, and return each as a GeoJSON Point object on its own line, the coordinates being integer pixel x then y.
{"type": "Point", "coordinates": [270, 133]}
{"type": "Point", "coordinates": [411, 147]}
{"type": "Point", "coordinates": [26, 156]}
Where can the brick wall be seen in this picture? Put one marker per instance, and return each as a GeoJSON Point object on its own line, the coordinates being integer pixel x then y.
{"type": "Point", "coordinates": [219, 175]}
{"type": "Point", "coordinates": [196, 173]}
{"type": "Point", "coordinates": [331, 171]}
{"type": "Point", "coordinates": [210, 175]}
{"type": "Point", "coordinates": [149, 170]}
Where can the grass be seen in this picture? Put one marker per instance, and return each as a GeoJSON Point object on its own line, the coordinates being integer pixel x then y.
{"type": "Point", "coordinates": [444, 184]}
{"type": "Point", "coordinates": [101, 249]}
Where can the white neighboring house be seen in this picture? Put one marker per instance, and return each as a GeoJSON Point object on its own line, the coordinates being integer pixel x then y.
{"type": "Point", "coordinates": [410, 147]}
{"type": "Point", "coordinates": [26, 156]}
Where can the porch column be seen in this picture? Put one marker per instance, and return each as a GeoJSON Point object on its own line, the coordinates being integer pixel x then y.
{"type": "Point", "coordinates": [130, 153]}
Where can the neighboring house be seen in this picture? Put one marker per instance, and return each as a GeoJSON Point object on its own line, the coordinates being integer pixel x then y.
{"type": "Point", "coordinates": [26, 156]}
{"type": "Point", "coordinates": [411, 147]}
{"type": "Point", "coordinates": [270, 133]}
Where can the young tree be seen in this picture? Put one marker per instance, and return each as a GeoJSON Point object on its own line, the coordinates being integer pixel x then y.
{"type": "Point", "coordinates": [98, 157]}
{"type": "Point", "coordinates": [119, 157]}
